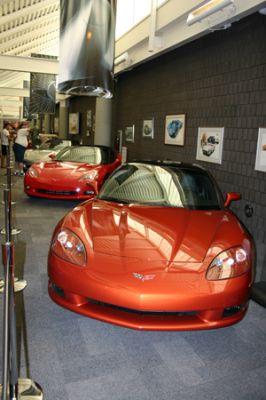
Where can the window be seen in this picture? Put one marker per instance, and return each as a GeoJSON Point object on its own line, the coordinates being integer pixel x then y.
{"type": "Point", "coordinates": [130, 12]}
{"type": "Point", "coordinates": [162, 185]}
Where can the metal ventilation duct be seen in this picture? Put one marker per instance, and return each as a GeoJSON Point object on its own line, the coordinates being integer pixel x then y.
{"type": "Point", "coordinates": [87, 40]}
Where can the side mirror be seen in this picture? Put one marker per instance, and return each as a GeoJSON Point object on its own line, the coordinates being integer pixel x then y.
{"type": "Point", "coordinates": [231, 196]}
{"type": "Point", "coordinates": [52, 156]}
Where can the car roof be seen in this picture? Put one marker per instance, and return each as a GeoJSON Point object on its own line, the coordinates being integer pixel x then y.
{"type": "Point", "coordinates": [170, 163]}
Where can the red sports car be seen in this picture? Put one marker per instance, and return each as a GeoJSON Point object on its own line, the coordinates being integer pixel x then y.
{"type": "Point", "coordinates": [157, 249]}
{"type": "Point", "coordinates": [76, 172]}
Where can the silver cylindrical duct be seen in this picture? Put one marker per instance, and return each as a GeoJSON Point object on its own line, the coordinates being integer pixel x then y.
{"type": "Point", "coordinates": [87, 37]}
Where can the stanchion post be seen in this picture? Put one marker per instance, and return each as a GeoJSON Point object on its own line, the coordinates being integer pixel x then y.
{"type": "Point", "coordinates": [13, 231]}
{"type": "Point", "coordinates": [10, 371]}
{"type": "Point", "coordinates": [5, 372]}
{"type": "Point", "coordinates": [12, 387]}
{"type": "Point", "coordinates": [9, 374]}
{"type": "Point", "coordinates": [8, 168]}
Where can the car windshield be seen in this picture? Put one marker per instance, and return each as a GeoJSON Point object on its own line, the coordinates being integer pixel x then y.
{"type": "Point", "coordinates": [162, 186]}
{"type": "Point", "coordinates": [54, 144]}
{"type": "Point", "coordinates": [84, 154]}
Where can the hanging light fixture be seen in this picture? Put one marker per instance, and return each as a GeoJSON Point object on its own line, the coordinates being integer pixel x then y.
{"type": "Point", "coordinates": [121, 59]}
{"type": "Point", "coordinates": [206, 10]}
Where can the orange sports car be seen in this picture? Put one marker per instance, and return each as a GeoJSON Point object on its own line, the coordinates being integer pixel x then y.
{"type": "Point", "coordinates": [157, 249]}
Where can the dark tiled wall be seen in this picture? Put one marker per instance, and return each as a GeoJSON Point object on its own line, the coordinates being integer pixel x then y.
{"type": "Point", "coordinates": [82, 105]}
{"type": "Point", "coordinates": [218, 80]}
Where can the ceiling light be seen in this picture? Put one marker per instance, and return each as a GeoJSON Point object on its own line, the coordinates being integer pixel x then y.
{"type": "Point", "coordinates": [122, 58]}
{"type": "Point", "coordinates": [207, 9]}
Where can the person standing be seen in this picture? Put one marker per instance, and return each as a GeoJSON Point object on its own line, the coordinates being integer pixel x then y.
{"type": "Point", "coordinates": [5, 136]}
{"type": "Point", "coordinates": [19, 147]}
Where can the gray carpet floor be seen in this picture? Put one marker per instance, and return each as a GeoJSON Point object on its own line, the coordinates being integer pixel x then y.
{"type": "Point", "coordinates": [77, 358]}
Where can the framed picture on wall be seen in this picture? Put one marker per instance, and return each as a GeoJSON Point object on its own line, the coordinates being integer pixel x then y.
{"type": "Point", "coordinates": [210, 144]}
{"type": "Point", "coordinates": [148, 128]}
{"type": "Point", "coordinates": [175, 129]}
{"type": "Point", "coordinates": [129, 133]}
{"type": "Point", "coordinates": [260, 164]}
{"type": "Point", "coordinates": [73, 123]}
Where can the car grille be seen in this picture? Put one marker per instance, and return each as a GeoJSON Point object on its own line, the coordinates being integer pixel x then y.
{"type": "Point", "coordinates": [57, 192]}
{"type": "Point", "coordinates": [147, 313]}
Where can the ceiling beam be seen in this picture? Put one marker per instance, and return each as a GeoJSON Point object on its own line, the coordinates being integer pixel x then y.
{"type": "Point", "coordinates": [29, 64]}
{"type": "Point", "coordinates": [16, 92]}
{"type": "Point", "coordinates": [11, 103]}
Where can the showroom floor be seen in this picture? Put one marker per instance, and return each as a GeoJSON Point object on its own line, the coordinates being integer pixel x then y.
{"type": "Point", "coordinates": [76, 358]}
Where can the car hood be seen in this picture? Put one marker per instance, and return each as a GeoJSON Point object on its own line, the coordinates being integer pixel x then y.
{"type": "Point", "coordinates": [156, 233]}
{"type": "Point", "coordinates": [66, 170]}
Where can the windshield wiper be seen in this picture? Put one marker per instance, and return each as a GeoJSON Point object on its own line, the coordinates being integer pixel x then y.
{"type": "Point", "coordinates": [114, 199]}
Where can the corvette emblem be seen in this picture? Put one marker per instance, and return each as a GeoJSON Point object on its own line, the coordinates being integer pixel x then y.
{"type": "Point", "coordinates": [143, 278]}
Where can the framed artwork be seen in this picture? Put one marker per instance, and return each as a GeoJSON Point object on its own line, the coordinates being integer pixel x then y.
{"type": "Point", "coordinates": [210, 145]}
{"type": "Point", "coordinates": [129, 133]}
{"type": "Point", "coordinates": [175, 129]}
{"type": "Point", "coordinates": [148, 128]}
{"type": "Point", "coordinates": [73, 125]}
{"type": "Point", "coordinates": [260, 164]}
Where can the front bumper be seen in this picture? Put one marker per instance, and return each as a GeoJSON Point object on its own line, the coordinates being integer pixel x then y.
{"type": "Point", "coordinates": [64, 192]}
{"type": "Point", "coordinates": [168, 303]}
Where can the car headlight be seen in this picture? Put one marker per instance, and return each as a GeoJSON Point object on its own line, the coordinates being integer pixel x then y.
{"type": "Point", "coordinates": [68, 246]}
{"type": "Point", "coordinates": [229, 264]}
{"type": "Point", "coordinates": [91, 175]}
{"type": "Point", "coordinates": [33, 172]}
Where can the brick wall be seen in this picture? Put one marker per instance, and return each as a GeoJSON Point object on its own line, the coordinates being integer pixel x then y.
{"type": "Point", "coordinates": [218, 80]}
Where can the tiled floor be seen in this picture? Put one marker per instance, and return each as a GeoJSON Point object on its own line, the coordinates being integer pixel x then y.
{"type": "Point", "coordinates": [76, 358]}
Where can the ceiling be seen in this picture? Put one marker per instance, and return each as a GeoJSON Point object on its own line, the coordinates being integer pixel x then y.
{"type": "Point", "coordinates": [26, 27]}
{"type": "Point", "coordinates": [32, 26]}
